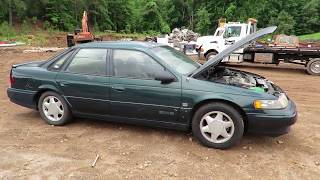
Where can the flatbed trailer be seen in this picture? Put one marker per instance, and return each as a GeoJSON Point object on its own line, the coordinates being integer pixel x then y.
{"type": "Point", "coordinates": [307, 56]}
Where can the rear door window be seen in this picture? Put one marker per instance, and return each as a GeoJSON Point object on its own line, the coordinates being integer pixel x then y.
{"type": "Point", "coordinates": [89, 61]}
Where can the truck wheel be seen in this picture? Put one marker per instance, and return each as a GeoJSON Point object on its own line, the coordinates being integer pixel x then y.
{"type": "Point", "coordinates": [218, 125]}
{"type": "Point", "coordinates": [210, 55]}
{"type": "Point", "coordinates": [313, 67]}
{"type": "Point", "coordinates": [53, 109]}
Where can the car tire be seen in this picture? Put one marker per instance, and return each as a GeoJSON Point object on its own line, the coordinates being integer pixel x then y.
{"type": "Point", "coordinates": [218, 125]}
{"type": "Point", "coordinates": [210, 55]}
{"type": "Point", "coordinates": [54, 109]}
{"type": "Point", "coordinates": [313, 67]}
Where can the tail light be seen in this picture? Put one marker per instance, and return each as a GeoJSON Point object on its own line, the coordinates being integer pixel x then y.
{"type": "Point", "coordinates": [12, 80]}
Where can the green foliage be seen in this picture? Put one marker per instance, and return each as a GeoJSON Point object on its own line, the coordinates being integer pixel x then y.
{"type": "Point", "coordinates": [311, 16]}
{"type": "Point", "coordinates": [230, 12]}
{"type": "Point", "coordinates": [58, 13]}
{"type": "Point", "coordinates": [160, 16]}
{"type": "Point", "coordinates": [203, 23]}
{"type": "Point", "coordinates": [98, 12]}
{"type": "Point", "coordinates": [151, 17]}
{"type": "Point", "coordinates": [7, 31]}
{"type": "Point", "coordinates": [25, 27]}
{"type": "Point", "coordinates": [46, 25]}
{"type": "Point", "coordinates": [34, 20]}
{"type": "Point", "coordinates": [285, 23]}
{"type": "Point", "coordinates": [314, 36]}
{"type": "Point", "coordinates": [165, 28]}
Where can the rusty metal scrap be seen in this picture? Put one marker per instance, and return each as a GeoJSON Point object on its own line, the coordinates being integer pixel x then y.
{"type": "Point", "coordinates": [286, 41]}
{"type": "Point", "coordinates": [179, 35]}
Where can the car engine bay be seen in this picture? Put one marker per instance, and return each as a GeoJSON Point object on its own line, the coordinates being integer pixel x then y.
{"type": "Point", "coordinates": [223, 75]}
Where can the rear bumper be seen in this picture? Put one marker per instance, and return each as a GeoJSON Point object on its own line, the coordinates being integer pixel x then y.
{"type": "Point", "coordinates": [272, 122]}
{"type": "Point", "coordinates": [23, 98]}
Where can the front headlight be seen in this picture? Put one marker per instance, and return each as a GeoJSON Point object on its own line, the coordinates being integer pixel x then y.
{"type": "Point", "coordinates": [280, 103]}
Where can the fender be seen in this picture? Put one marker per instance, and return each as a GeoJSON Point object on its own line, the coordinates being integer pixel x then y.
{"type": "Point", "coordinates": [240, 102]}
{"type": "Point", "coordinates": [214, 98]}
{"type": "Point", "coordinates": [49, 87]}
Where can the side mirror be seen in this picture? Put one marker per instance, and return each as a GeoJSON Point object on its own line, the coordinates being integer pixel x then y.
{"type": "Point", "coordinates": [165, 77]}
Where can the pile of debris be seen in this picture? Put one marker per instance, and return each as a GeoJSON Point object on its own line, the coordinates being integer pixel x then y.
{"type": "Point", "coordinates": [42, 50]}
{"type": "Point", "coordinates": [179, 35]}
{"type": "Point", "coordinates": [283, 40]}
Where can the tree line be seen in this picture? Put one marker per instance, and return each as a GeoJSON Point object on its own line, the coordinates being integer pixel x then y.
{"type": "Point", "coordinates": [160, 16]}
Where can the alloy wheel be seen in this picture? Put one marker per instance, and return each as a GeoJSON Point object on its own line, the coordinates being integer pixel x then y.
{"type": "Point", "coordinates": [217, 127]}
{"type": "Point", "coordinates": [52, 108]}
{"type": "Point", "coordinates": [315, 67]}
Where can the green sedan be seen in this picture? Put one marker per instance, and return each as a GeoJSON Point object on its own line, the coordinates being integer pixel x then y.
{"type": "Point", "coordinates": [154, 85]}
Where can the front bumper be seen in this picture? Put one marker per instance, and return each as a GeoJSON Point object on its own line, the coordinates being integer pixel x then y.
{"type": "Point", "coordinates": [21, 97]}
{"type": "Point", "coordinates": [272, 122]}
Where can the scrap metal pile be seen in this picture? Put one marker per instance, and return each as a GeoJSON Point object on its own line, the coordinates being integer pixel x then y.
{"type": "Point", "coordinates": [286, 41]}
{"type": "Point", "coordinates": [180, 35]}
{"type": "Point", "coordinates": [181, 39]}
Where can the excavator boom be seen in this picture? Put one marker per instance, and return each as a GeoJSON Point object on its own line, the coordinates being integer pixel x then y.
{"type": "Point", "coordinates": [83, 35]}
{"type": "Point", "coordinates": [85, 22]}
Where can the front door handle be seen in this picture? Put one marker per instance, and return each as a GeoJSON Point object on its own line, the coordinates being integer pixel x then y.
{"type": "Point", "coordinates": [118, 88]}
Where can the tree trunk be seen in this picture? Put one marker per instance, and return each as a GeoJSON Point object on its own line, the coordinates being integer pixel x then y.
{"type": "Point", "coordinates": [10, 13]}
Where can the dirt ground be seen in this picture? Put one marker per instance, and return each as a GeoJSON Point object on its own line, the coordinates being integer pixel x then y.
{"type": "Point", "coordinates": [29, 148]}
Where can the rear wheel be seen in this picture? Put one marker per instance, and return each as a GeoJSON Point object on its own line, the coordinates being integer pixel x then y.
{"type": "Point", "coordinates": [218, 125]}
{"type": "Point", "coordinates": [313, 67]}
{"type": "Point", "coordinates": [53, 109]}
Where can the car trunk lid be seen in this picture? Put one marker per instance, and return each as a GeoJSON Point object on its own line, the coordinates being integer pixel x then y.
{"type": "Point", "coordinates": [30, 64]}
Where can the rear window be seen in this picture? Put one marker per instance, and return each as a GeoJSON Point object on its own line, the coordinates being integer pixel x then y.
{"type": "Point", "coordinates": [58, 63]}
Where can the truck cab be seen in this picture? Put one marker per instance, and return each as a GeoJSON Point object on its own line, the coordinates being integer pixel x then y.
{"type": "Point", "coordinates": [224, 36]}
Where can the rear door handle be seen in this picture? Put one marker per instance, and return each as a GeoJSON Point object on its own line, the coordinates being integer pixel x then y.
{"type": "Point", "coordinates": [118, 88]}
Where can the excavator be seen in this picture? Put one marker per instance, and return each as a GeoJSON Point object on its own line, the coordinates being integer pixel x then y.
{"type": "Point", "coordinates": [81, 35]}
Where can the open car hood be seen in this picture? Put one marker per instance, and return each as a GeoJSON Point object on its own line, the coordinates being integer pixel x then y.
{"type": "Point", "coordinates": [219, 57]}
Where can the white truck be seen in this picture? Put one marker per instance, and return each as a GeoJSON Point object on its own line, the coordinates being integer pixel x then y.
{"type": "Point", "coordinates": [225, 35]}
{"type": "Point", "coordinates": [229, 33]}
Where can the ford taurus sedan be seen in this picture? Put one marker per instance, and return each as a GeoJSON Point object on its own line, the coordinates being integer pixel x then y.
{"type": "Point", "coordinates": [154, 85]}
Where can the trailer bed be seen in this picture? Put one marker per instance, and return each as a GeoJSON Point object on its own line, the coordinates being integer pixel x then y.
{"type": "Point", "coordinates": [311, 51]}
{"type": "Point", "coordinates": [307, 56]}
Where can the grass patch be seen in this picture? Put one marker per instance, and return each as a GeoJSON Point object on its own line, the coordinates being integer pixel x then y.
{"type": "Point", "coordinates": [315, 36]}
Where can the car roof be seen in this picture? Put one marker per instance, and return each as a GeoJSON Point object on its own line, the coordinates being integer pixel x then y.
{"type": "Point", "coordinates": [120, 44]}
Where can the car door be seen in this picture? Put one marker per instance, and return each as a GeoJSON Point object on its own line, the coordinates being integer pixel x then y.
{"type": "Point", "coordinates": [134, 91]}
{"type": "Point", "coordinates": [84, 81]}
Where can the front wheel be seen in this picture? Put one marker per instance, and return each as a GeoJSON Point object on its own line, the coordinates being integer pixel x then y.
{"type": "Point", "coordinates": [218, 125]}
{"type": "Point", "coordinates": [210, 55]}
{"type": "Point", "coordinates": [53, 109]}
{"type": "Point", "coordinates": [313, 67]}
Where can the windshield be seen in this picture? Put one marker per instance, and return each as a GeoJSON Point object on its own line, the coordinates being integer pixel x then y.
{"type": "Point", "coordinates": [175, 59]}
{"type": "Point", "coordinates": [219, 33]}
{"type": "Point", "coordinates": [232, 31]}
